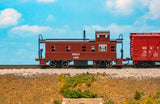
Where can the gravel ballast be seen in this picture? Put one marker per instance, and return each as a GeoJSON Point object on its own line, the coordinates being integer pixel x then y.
{"type": "Point", "coordinates": [121, 73]}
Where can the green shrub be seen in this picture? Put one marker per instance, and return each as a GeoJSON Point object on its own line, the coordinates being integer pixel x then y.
{"type": "Point", "coordinates": [67, 81]}
{"type": "Point", "coordinates": [151, 99]}
{"type": "Point", "coordinates": [109, 102]}
{"type": "Point", "coordinates": [56, 102]}
{"type": "Point", "coordinates": [72, 93]}
{"type": "Point", "coordinates": [157, 95]}
{"type": "Point", "coordinates": [78, 94]}
{"type": "Point", "coordinates": [84, 78]}
{"type": "Point", "coordinates": [137, 95]}
{"type": "Point", "coordinates": [88, 94]}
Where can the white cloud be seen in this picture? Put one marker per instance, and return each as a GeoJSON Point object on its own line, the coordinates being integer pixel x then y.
{"type": "Point", "coordinates": [26, 30]}
{"type": "Point", "coordinates": [46, 1]}
{"type": "Point", "coordinates": [60, 31]}
{"type": "Point", "coordinates": [144, 3]}
{"type": "Point", "coordinates": [114, 28]}
{"type": "Point", "coordinates": [110, 4]}
{"type": "Point", "coordinates": [9, 17]}
{"type": "Point", "coordinates": [126, 7]}
{"type": "Point", "coordinates": [154, 10]}
{"type": "Point", "coordinates": [34, 29]}
{"type": "Point", "coordinates": [121, 6]}
{"type": "Point", "coordinates": [50, 18]}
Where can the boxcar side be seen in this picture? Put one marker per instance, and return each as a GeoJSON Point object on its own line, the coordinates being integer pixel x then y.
{"type": "Point", "coordinates": [145, 48]}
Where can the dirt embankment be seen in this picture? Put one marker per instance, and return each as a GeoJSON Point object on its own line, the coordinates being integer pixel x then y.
{"type": "Point", "coordinates": [42, 86]}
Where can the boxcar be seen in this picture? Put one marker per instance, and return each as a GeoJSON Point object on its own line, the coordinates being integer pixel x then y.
{"type": "Point", "coordinates": [145, 48]}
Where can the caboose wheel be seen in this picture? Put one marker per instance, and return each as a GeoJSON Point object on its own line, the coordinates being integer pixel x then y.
{"type": "Point", "coordinates": [109, 64]}
{"type": "Point", "coordinates": [96, 64]}
{"type": "Point", "coordinates": [65, 64]}
{"type": "Point", "coordinates": [53, 64]}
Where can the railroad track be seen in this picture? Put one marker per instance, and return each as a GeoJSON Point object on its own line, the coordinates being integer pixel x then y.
{"type": "Point", "coordinates": [19, 66]}
{"type": "Point", "coordinates": [71, 67]}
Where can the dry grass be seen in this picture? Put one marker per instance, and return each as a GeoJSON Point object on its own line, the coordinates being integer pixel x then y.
{"type": "Point", "coordinates": [44, 89]}
{"type": "Point", "coordinates": [36, 90]}
{"type": "Point", "coordinates": [117, 90]}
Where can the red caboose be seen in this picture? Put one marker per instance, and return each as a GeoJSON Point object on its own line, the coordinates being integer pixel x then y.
{"type": "Point", "coordinates": [145, 48]}
{"type": "Point", "coordinates": [101, 50]}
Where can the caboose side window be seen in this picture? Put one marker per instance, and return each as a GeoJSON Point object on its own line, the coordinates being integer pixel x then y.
{"type": "Point", "coordinates": [68, 48]}
{"type": "Point", "coordinates": [53, 48]}
{"type": "Point", "coordinates": [92, 48]}
{"type": "Point", "coordinates": [98, 36]}
{"type": "Point", "coordinates": [112, 48]}
{"type": "Point", "coordinates": [83, 48]}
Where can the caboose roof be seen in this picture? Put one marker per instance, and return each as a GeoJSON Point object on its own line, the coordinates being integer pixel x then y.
{"type": "Point", "coordinates": [71, 40]}
{"type": "Point", "coordinates": [66, 40]}
{"type": "Point", "coordinates": [102, 31]}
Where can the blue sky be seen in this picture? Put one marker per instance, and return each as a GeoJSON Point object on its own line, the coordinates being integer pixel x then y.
{"type": "Point", "coordinates": [22, 20]}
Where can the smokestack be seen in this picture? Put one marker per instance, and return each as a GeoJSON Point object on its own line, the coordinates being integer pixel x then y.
{"type": "Point", "coordinates": [84, 35]}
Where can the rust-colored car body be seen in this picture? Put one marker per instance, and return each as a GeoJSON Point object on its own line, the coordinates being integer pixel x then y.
{"type": "Point", "coordinates": [145, 47]}
{"type": "Point", "coordinates": [101, 48]}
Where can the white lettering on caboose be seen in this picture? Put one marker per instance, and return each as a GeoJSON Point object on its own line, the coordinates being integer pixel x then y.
{"type": "Point", "coordinates": [75, 54]}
